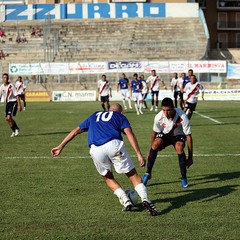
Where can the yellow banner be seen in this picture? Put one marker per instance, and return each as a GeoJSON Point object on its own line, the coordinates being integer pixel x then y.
{"type": "Point", "coordinates": [38, 96]}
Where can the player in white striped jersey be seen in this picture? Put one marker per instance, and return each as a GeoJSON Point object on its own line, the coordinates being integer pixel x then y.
{"type": "Point", "coordinates": [9, 94]}
{"type": "Point", "coordinates": [104, 91]}
{"type": "Point", "coordinates": [192, 90]}
{"type": "Point", "coordinates": [21, 89]}
{"type": "Point", "coordinates": [153, 82]}
{"type": "Point", "coordinates": [171, 127]}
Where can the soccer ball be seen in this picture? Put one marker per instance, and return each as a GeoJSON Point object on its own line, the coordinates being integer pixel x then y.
{"type": "Point", "coordinates": [133, 196]}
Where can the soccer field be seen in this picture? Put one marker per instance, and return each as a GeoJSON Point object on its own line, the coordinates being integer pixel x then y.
{"type": "Point", "coordinates": [65, 198]}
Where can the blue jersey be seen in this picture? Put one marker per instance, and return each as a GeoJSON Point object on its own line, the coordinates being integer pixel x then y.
{"type": "Point", "coordinates": [136, 86]}
{"type": "Point", "coordinates": [123, 83]}
{"type": "Point", "coordinates": [186, 80]}
{"type": "Point", "coordinates": [104, 126]}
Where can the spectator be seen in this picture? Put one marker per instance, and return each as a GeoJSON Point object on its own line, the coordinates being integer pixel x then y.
{"type": "Point", "coordinates": [33, 33]}
{"type": "Point", "coordinates": [38, 32]}
{"type": "Point", "coordinates": [2, 34]}
{"type": "Point", "coordinates": [2, 55]}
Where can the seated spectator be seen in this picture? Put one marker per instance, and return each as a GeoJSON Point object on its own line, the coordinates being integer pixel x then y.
{"type": "Point", "coordinates": [24, 39]}
{"type": "Point", "coordinates": [38, 32]}
{"type": "Point", "coordinates": [2, 55]}
{"type": "Point", "coordinates": [18, 38]}
{"type": "Point", "coordinates": [33, 33]}
{"type": "Point", "coordinates": [2, 34]}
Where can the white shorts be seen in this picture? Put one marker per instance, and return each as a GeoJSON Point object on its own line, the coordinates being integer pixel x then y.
{"type": "Point", "coordinates": [125, 93]}
{"type": "Point", "coordinates": [137, 96]}
{"type": "Point", "coordinates": [111, 154]}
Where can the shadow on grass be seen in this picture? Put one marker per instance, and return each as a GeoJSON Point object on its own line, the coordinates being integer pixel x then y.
{"type": "Point", "coordinates": [42, 134]}
{"type": "Point", "coordinates": [202, 194]}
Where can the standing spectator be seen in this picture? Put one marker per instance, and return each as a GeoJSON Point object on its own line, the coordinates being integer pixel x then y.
{"type": "Point", "coordinates": [104, 91]}
{"type": "Point", "coordinates": [9, 93]}
{"type": "Point", "coordinates": [170, 127]}
{"type": "Point", "coordinates": [123, 84]}
{"type": "Point", "coordinates": [21, 90]}
{"type": "Point", "coordinates": [154, 82]}
{"type": "Point", "coordinates": [176, 86]}
{"type": "Point", "coordinates": [2, 35]}
{"type": "Point", "coordinates": [144, 90]}
{"type": "Point", "coordinates": [107, 151]}
{"type": "Point", "coordinates": [2, 55]}
{"type": "Point", "coordinates": [191, 90]}
{"type": "Point", "coordinates": [136, 93]}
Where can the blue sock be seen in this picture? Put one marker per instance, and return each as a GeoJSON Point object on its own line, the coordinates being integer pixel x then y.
{"type": "Point", "coordinates": [151, 160]}
{"type": "Point", "coordinates": [182, 165]}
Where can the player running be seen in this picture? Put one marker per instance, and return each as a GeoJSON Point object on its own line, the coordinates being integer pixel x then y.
{"type": "Point", "coordinates": [9, 94]}
{"type": "Point", "coordinates": [123, 84]}
{"type": "Point", "coordinates": [107, 150]}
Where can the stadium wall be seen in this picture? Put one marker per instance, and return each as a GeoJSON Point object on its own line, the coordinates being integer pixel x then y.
{"type": "Point", "coordinates": [95, 11]}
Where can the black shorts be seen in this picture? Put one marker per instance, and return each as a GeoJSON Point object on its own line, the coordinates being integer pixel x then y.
{"type": "Point", "coordinates": [191, 106]}
{"type": "Point", "coordinates": [155, 93]}
{"type": "Point", "coordinates": [11, 108]}
{"type": "Point", "coordinates": [178, 95]}
{"type": "Point", "coordinates": [170, 140]}
{"type": "Point", "coordinates": [22, 96]}
{"type": "Point", "coordinates": [104, 98]}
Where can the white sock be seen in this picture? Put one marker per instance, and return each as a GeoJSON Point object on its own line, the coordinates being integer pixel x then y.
{"type": "Point", "coordinates": [140, 106]}
{"type": "Point", "coordinates": [121, 195]}
{"type": "Point", "coordinates": [129, 103]}
{"type": "Point", "coordinates": [142, 191]}
{"type": "Point", "coordinates": [136, 107]}
{"type": "Point", "coordinates": [124, 104]}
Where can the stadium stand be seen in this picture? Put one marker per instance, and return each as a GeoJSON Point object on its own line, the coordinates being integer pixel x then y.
{"type": "Point", "coordinates": [105, 40]}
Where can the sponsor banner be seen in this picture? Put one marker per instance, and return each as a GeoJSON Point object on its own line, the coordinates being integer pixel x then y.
{"type": "Point", "coordinates": [61, 96]}
{"type": "Point", "coordinates": [37, 96]}
{"type": "Point", "coordinates": [125, 66]}
{"type": "Point", "coordinates": [233, 71]}
{"type": "Point", "coordinates": [183, 66]}
{"type": "Point", "coordinates": [87, 67]}
{"type": "Point", "coordinates": [222, 94]}
{"type": "Point", "coordinates": [25, 69]}
{"type": "Point", "coordinates": [54, 68]}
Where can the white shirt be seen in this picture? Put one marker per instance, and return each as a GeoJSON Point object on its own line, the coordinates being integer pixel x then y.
{"type": "Point", "coordinates": [21, 87]}
{"type": "Point", "coordinates": [179, 125]}
{"type": "Point", "coordinates": [177, 84]}
{"type": "Point", "coordinates": [104, 87]}
{"type": "Point", "coordinates": [144, 87]}
{"type": "Point", "coordinates": [8, 92]}
{"type": "Point", "coordinates": [154, 82]}
{"type": "Point", "coordinates": [192, 91]}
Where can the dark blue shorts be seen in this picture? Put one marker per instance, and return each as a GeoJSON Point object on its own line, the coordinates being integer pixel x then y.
{"type": "Point", "coordinates": [105, 98]}
{"type": "Point", "coordinates": [155, 93]}
{"type": "Point", "coordinates": [11, 108]}
{"type": "Point", "coordinates": [191, 106]}
{"type": "Point", "coordinates": [170, 140]}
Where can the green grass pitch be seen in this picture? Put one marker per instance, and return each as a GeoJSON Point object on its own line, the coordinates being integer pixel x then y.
{"type": "Point", "coordinates": [65, 198]}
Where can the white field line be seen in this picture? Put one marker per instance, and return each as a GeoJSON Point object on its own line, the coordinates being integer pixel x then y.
{"type": "Point", "coordinates": [84, 157]}
{"type": "Point", "coordinates": [212, 119]}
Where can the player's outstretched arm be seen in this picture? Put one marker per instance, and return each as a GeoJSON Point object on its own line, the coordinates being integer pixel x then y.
{"type": "Point", "coordinates": [134, 143]}
{"type": "Point", "coordinates": [57, 150]}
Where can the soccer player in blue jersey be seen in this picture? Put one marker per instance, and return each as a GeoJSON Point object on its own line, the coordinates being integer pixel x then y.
{"type": "Point", "coordinates": [187, 78]}
{"type": "Point", "coordinates": [136, 93]}
{"type": "Point", "coordinates": [107, 151]}
{"type": "Point", "coordinates": [123, 84]}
